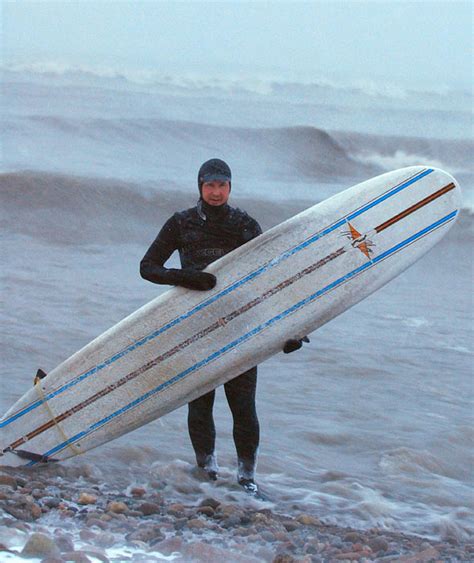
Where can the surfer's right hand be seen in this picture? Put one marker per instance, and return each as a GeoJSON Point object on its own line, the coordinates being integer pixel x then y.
{"type": "Point", "coordinates": [193, 279]}
{"type": "Point", "coordinates": [294, 344]}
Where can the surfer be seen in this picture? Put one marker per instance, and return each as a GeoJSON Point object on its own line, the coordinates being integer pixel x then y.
{"type": "Point", "coordinates": [202, 234]}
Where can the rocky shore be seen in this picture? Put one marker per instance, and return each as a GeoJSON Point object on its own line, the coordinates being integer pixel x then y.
{"type": "Point", "coordinates": [49, 519]}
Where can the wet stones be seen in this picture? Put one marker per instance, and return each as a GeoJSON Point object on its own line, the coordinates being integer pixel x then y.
{"type": "Point", "coordinates": [50, 502]}
{"type": "Point", "coordinates": [64, 543]}
{"type": "Point", "coordinates": [351, 555]}
{"type": "Point", "coordinates": [206, 511]}
{"type": "Point", "coordinates": [8, 481]}
{"type": "Point", "coordinates": [4, 492]}
{"type": "Point", "coordinates": [201, 551]}
{"type": "Point", "coordinates": [352, 537]}
{"type": "Point", "coordinates": [291, 525]}
{"type": "Point", "coordinates": [36, 484]}
{"type": "Point", "coordinates": [148, 508]}
{"type": "Point", "coordinates": [308, 520]}
{"type": "Point", "coordinates": [87, 535]}
{"type": "Point", "coordinates": [75, 557]}
{"type": "Point", "coordinates": [105, 539]}
{"type": "Point", "coordinates": [425, 556]}
{"type": "Point", "coordinates": [40, 545]}
{"type": "Point", "coordinates": [212, 503]}
{"type": "Point", "coordinates": [146, 534]}
{"type": "Point", "coordinates": [87, 498]}
{"type": "Point", "coordinates": [379, 545]}
{"type": "Point", "coordinates": [138, 492]}
{"type": "Point", "coordinates": [231, 521]}
{"type": "Point", "coordinates": [24, 509]}
{"type": "Point", "coordinates": [176, 509]}
{"type": "Point", "coordinates": [95, 520]}
{"type": "Point", "coordinates": [196, 524]}
{"type": "Point", "coordinates": [169, 546]}
{"type": "Point", "coordinates": [117, 507]}
{"type": "Point", "coordinates": [177, 524]}
{"type": "Point", "coordinates": [267, 536]}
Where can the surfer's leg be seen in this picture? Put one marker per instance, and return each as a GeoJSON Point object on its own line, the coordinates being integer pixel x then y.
{"type": "Point", "coordinates": [203, 432]}
{"type": "Point", "coordinates": [240, 393]}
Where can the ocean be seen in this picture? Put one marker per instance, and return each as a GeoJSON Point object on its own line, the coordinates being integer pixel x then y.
{"type": "Point", "coordinates": [371, 424]}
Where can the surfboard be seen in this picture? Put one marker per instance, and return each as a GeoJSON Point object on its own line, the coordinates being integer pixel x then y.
{"type": "Point", "coordinates": [284, 284]}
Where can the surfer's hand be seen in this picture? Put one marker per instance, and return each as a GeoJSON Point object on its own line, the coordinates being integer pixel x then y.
{"type": "Point", "coordinates": [294, 344]}
{"type": "Point", "coordinates": [192, 279]}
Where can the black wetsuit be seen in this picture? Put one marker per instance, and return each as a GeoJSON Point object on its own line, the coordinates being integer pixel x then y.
{"type": "Point", "coordinates": [201, 235]}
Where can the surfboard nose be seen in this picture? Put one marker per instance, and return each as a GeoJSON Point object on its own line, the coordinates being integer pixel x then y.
{"type": "Point", "coordinates": [456, 193]}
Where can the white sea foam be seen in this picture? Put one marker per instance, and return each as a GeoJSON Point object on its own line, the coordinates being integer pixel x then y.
{"type": "Point", "coordinates": [460, 349]}
{"type": "Point", "coordinates": [398, 159]}
{"type": "Point", "coordinates": [260, 82]}
{"type": "Point", "coordinates": [113, 553]}
{"type": "Point", "coordinates": [414, 322]}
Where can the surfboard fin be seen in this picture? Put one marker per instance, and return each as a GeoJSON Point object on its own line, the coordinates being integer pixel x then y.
{"type": "Point", "coordinates": [40, 374]}
{"type": "Point", "coordinates": [38, 458]}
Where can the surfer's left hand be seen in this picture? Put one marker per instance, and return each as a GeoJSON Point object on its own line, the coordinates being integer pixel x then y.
{"type": "Point", "coordinates": [294, 344]}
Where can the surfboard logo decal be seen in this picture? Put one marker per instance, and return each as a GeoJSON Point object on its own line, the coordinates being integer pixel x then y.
{"type": "Point", "coordinates": [287, 254]}
{"type": "Point", "coordinates": [359, 241]}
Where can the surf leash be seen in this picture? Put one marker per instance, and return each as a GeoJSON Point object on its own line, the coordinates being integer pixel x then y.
{"type": "Point", "coordinates": [44, 400]}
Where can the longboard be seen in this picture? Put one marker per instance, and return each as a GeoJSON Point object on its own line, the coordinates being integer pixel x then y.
{"type": "Point", "coordinates": [285, 283]}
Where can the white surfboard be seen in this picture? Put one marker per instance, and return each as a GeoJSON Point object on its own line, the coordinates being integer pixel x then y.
{"type": "Point", "coordinates": [285, 283]}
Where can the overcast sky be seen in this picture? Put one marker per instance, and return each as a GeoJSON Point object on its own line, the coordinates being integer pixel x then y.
{"type": "Point", "coordinates": [413, 42]}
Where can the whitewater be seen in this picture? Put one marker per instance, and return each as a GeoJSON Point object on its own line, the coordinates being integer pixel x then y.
{"type": "Point", "coordinates": [368, 425]}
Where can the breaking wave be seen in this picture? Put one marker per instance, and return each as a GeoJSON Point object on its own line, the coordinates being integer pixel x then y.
{"type": "Point", "coordinates": [149, 148]}
{"type": "Point", "coordinates": [285, 84]}
{"type": "Point", "coordinates": [72, 210]}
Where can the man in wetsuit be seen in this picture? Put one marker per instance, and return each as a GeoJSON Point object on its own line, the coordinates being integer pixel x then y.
{"type": "Point", "coordinates": [201, 235]}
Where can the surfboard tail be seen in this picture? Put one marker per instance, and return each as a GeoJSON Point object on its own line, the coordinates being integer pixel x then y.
{"type": "Point", "coordinates": [25, 455]}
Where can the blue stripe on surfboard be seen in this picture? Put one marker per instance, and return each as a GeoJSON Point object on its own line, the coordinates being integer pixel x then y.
{"type": "Point", "coordinates": [216, 297]}
{"type": "Point", "coordinates": [253, 332]}
{"type": "Point", "coordinates": [388, 194]}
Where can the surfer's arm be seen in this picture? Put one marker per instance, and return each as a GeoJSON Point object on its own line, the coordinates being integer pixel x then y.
{"type": "Point", "coordinates": [152, 264]}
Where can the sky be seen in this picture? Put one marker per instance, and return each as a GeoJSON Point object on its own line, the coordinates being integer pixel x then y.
{"type": "Point", "coordinates": [423, 42]}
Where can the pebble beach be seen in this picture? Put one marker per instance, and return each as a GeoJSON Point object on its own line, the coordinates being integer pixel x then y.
{"type": "Point", "coordinates": [46, 519]}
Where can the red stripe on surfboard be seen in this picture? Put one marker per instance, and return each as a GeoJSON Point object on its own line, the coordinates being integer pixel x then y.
{"type": "Point", "coordinates": [415, 207]}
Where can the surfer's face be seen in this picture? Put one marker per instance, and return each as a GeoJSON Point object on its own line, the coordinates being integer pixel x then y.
{"type": "Point", "coordinates": [215, 192]}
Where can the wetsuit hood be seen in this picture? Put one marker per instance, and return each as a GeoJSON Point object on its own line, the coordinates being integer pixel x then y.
{"type": "Point", "coordinates": [214, 169]}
